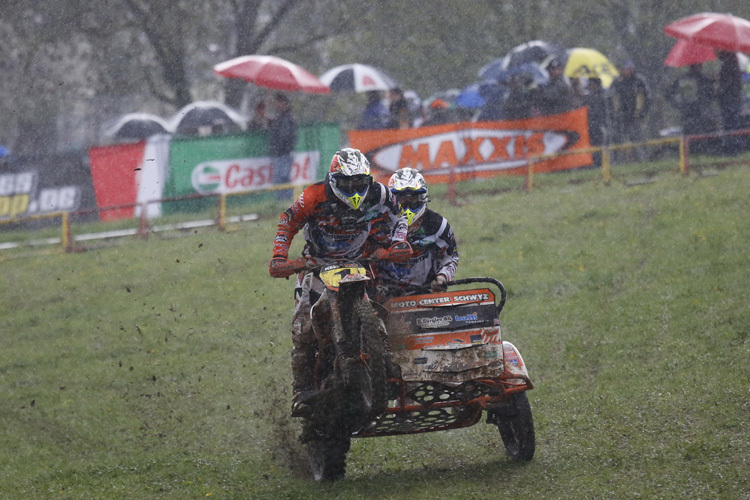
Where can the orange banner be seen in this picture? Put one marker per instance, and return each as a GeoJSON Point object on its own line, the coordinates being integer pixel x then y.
{"type": "Point", "coordinates": [467, 150]}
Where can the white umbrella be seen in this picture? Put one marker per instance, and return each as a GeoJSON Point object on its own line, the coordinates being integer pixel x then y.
{"type": "Point", "coordinates": [357, 78]}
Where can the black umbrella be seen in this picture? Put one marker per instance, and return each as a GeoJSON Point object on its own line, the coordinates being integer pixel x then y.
{"type": "Point", "coordinates": [137, 126]}
{"type": "Point", "coordinates": [537, 51]}
{"type": "Point", "coordinates": [207, 117]}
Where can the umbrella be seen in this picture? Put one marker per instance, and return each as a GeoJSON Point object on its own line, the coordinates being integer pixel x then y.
{"type": "Point", "coordinates": [477, 94]}
{"type": "Point", "coordinates": [590, 63]}
{"type": "Point", "coordinates": [497, 73]}
{"type": "Point", "coordinates": [470, 97]}
{"type": "Point", "coordinates": [685, 53]}
{"type": "Point", "coordinates": [357, 78]}
{"type": "Point", "coordinates": [718, 31]}
{"type": "Point", "coordinates": [272, 72]}
{"type": "Point", "coordinates": [537, 51]}
{"type": "Point", "coordinates": [207, 117]}
{"type": "Point", "coordinates": [137, 126]}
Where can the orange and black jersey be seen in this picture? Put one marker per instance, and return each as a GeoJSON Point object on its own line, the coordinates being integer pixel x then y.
{"type": "Point", "coordinates": [333, 230]}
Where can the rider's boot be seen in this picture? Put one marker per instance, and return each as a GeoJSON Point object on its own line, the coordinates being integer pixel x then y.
{"type": "Point", "coordinates": [303, 369]}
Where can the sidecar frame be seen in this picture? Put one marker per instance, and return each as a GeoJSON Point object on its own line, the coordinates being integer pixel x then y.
{"type": "Point", "coordinates": [454, 363]}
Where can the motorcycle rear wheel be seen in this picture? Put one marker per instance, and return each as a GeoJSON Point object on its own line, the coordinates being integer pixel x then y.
{"type": "Point", "coordinates": [516, 426]}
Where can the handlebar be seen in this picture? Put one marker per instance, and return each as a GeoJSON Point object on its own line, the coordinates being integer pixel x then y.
{"type": "Point", "coordinates": [492, 281]}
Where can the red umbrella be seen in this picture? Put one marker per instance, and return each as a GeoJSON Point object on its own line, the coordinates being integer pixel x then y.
{"type": "Point", "coordinates": [272, 72]}
{"type": "Point", "coordinates": [718, 31]}
{"type": "Point", "coordinates": [685, 53]}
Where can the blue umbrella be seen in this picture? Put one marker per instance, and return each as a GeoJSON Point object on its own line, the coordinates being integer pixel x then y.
{"type": "Point", "coordinates": [496, 71]}
{"type": "Point", "coordinates": [470, 97]}
{"type": "Point", "coordinates": [478, 94]}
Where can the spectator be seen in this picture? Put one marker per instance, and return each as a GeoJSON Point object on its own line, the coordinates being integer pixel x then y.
{"type": "Point", "coordinates": [399, 110]}
{"type": "Point", "coordinates": [375, 115]}
{"type": "Point", "coordinates": [599, 106]}
{"type": "Point", "coordinates": [281, 142]}
{"type": "Point", "coordinates": [729, 95]}
{"type": "Point", "coordinates": [631, 102]}
{"type": "Point", "coordinates": [438, 113]}
{"type": "Point", "coordinates": [691, 93]}
{"type": "Point", "coordinates": [521, 99]}
{"type": "Point", "coordinates": [494, 99]}
{"type": "Point", "coordinates": [260, 117]}
{"type": "Point", "coordinates": [556, 96]}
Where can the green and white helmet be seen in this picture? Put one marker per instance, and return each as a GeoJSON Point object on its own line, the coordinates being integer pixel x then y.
{"type": "Point", "coordinates": [410, 189]}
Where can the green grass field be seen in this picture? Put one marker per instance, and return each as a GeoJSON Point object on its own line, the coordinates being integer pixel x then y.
{"type": "Point", "coordinates": [160, 368]}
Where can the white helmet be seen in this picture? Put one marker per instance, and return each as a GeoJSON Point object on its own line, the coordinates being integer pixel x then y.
{"type": "Point", "coordinates": [410, 189]}
{"type": "Point", "coordinates": [349, 176]}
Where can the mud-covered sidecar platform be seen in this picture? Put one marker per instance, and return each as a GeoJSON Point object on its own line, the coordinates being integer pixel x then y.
{"type": "Point", "coordinates": [454, 363]}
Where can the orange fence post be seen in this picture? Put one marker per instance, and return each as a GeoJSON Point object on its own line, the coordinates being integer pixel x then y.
{"type": "Point", "coordinates": [143, 228]}
{"type": "Point", "coordinates": [684, 154]}
{"type": "Point", "coordinates": [452, 185]}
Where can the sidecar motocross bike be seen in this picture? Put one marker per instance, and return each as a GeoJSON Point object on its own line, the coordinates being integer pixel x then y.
{"type": "Point", "coordinates": [417, 363]}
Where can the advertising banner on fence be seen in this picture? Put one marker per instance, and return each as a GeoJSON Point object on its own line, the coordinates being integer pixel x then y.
{"type": "Point", "coordinates": [39, 185]}
{"type": "Point", "coordinates": [468, 150]}
{"type": "Point", "coordinates": [126, 176]}
{"type": "Point", "coordinates": [129, 176]}
{"type": "Point", "coordinates": [240, 163]}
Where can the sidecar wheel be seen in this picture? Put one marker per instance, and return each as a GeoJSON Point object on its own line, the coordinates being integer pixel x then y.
{"type": "Point", "coordinates": [327, 458]}
{"type": "Point", "coordinates": [516, 426]}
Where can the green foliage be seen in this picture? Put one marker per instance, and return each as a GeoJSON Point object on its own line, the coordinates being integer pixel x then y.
{"type": "Point", "coordinates": [159, 368]}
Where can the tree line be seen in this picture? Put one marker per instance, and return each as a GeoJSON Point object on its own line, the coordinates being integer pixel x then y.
{"type": "Point", "coordinates": [69, 66]}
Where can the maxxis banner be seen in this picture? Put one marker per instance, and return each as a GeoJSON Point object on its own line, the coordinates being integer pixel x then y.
{"type": "Point", "coordinates": [468, 150]}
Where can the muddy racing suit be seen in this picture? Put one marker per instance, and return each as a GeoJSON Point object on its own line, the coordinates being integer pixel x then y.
{"type": "Point", "coordinates": [331, 231]}
{"type": "Point", "coordinates": [434, 253]}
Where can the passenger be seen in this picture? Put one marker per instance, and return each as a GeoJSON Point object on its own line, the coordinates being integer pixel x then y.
{"type": "Point", "coordinates": [342, 217]}
{"type": "Point", "coordinates": [435, 256]}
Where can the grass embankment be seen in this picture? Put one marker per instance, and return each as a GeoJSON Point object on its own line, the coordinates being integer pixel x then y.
{"type": "Point", "coordinates": [159, 368]}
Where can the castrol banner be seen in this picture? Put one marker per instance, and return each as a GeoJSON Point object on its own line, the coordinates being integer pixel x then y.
{"type": "Point", "coordinates": [158, 175]}
{"type": "Point", "coordinates": [467, 150]}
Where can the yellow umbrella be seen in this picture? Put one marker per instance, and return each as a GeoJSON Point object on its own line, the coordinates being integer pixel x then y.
{"type": "Point", "coordinates": [590, 63]}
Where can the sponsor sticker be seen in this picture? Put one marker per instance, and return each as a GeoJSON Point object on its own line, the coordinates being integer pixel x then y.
{"type": "Point", "coordinates": [434, 322]}
{"type": "Point", "coordinates": [420, 361]}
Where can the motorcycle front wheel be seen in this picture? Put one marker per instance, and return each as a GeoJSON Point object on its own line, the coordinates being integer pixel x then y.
{"type": "Point", "coordinates": [327, 458]}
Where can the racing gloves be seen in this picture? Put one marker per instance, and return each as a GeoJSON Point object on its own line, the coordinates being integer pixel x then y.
{"type": "Point", "coordinates": [439, 283]}
{"type": "Point", "coordinates": [282, 267]}
{"type": "Point", "coordinates": [399, 252]}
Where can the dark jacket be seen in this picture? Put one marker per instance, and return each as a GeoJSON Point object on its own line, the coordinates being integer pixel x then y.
{"type": "Point", "coordinates": [283, 135]}
{"type": "Point", "coordinates": [631, 97]}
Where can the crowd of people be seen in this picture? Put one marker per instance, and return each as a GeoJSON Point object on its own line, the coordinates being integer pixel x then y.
{"type": "Point", "coordinates": [616, 114]}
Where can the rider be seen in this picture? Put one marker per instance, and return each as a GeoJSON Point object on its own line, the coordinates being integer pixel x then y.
{"type": "Point", "coordinates": [435, 257]}
{"type": "Point", "coordinates": [342, 217]}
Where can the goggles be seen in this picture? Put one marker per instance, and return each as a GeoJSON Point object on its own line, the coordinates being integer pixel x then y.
{"type": "Point", "coordinates": [353, 183]}
{"type": "Point", "coordinates": [410, 199]}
